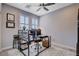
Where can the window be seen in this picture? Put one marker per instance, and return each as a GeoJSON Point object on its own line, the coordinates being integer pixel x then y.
{"type": "Point", "coordinates": [34, 23]}
{"type": "Point", "coordinates": [28, 24]}
{"type": "Point", "coordinates": [24, 22]}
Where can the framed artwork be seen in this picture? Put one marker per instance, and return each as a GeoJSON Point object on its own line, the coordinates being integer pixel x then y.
{"type": "Point", "coordinates": [10, 25]}
{"type": "Point", "coordinates": [10, 17]}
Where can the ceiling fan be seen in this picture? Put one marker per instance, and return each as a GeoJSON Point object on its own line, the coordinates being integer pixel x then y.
{"type": "Point", "coordinates": [42, 5]}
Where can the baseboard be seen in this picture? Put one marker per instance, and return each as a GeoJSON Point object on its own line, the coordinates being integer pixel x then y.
{"type": "Point", "coordinates": [64, 47]}
{"type": "Point", "coordinates": [6, 48]}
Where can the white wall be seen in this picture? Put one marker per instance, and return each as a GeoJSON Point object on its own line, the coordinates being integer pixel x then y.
{"type": "Point", "coordinates": [62, 25]}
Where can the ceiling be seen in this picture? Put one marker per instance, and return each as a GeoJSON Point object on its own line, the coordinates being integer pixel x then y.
{"type": "Point", "coordinates": [34, 6]}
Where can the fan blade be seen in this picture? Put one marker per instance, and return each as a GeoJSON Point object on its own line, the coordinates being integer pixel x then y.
{"type": "Point", "coordinates": [38, 9]}
{"type": "Point", "coordinates": [48, 4]}
{"type": "Point", "coordinates": [46, 9]}
{"type": "Point", "coordinates": [41, 5]}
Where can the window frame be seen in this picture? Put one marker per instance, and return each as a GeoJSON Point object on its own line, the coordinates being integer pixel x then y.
{"type": "Point", "coordinates": [24, 21]}
{"type": "Point", "coordinates": [30, 24]}
{"type": "Point", "coordinates": [34, 24]}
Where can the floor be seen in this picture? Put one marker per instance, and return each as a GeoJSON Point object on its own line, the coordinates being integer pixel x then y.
{"type": "Point", "coordinates": [52, 51]}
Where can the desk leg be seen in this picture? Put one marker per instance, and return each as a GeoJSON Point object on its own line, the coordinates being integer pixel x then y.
{"type": "Point", "coordinates": [49, 39]}
{"type": "Point", "coordinates": [37, 47]}
{"type": "Point", "coordinates": [13, 43]}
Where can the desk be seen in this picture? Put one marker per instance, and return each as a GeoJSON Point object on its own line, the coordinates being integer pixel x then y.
{"type": "Point", "coordinates": [38, 39]}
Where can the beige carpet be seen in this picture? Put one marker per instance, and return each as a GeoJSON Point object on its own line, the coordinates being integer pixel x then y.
{"type": "Point", "coordinates": [52, 51]}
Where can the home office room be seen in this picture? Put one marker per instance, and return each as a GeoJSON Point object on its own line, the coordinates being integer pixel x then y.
{"type": "Point", "coordinates": [39, 29]}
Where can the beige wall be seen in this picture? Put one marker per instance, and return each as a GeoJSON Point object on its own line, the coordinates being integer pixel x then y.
{"type": "Point", "coordinates": [0, 25]}
{"type": "Point", "coordinates": [62, 25]}
{"type": "Point", "coordinates": [0, 30]}
{"type": "Point", "coordinates": [7, 33]}
{"type": "Point", "coordinates": [0, 7]}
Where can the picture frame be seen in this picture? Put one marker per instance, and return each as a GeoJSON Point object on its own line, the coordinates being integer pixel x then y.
{"type": "Point", "coordinates": [10, 22]}
{"type": "Point", "coordinates": [10, 17]}
{"type": "Point", "coordinates": [10, 25]}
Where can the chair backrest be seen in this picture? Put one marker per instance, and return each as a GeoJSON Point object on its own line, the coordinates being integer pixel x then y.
{"type": "Point", "coordinates": [23, 34]}
{"type": "Point", "coordinates": [38, 31]}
